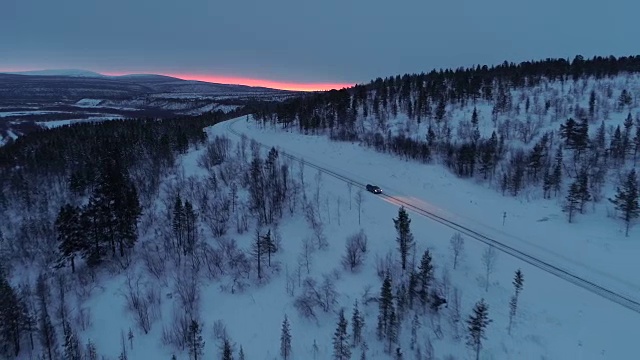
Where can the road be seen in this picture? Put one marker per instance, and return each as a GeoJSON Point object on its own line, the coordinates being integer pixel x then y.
{"type": "Point", "coordinates": [544, 265]}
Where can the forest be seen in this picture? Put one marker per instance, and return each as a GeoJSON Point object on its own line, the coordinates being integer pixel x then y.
{"type": "Point", "coordinates": [173, 213]}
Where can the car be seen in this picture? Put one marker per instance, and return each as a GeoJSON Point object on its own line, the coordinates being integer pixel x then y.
{"type": "Point", "coordinates": [374, 189]}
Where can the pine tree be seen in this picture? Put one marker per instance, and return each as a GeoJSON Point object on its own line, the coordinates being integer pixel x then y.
{"type": "Point", "coordinates": [285, 340]}
{"type": "Point", "coordinates": [405, 238]}
{"type": "Point", "coordinates": [241, 354]}
{"type": "Point", "coordinates": [195, 341]}
{"type": "Point", "coordinates": [357, 324]}
{"type": "Point", "coordinates": [385, 304]}
{"type": "Point", "coordinates": [341, 348]}
{"type": "Point", "coordinates": [478, 323]}
{"type": "Point", "coordinates": [626, 200]}
{"type": "Point", "coordinates": [518, 282]}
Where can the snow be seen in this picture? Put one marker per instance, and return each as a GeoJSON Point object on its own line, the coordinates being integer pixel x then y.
{"type": "Point", "coordinates": [27, 113]}
{"type": "Point", "coordinates": [556, 320]}
{"type": "Point", "coordinates": [58, 123]}
{"type": "Point", "coordinates": [89, 103]}
{"type": "Point", "coordinates": [60, 72]}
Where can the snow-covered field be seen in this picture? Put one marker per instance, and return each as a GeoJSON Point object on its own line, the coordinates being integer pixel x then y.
{"type": "Point", "coordinates": [555, 320]}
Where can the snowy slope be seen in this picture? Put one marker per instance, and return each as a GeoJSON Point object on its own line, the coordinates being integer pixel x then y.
{"type": "Point", "coordinates": [555, 320]}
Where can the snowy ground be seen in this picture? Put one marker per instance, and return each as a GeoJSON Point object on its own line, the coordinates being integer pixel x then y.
{"type": "Point", "coordinates": [595, 247]}
{"type": "Point", "coordinates": [556, 320]}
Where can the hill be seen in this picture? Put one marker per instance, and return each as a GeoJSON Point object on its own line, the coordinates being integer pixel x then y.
{"type": "Point", "coordinates": [133, 239]}
{"type": "Point", "coordinates": [53, 98]}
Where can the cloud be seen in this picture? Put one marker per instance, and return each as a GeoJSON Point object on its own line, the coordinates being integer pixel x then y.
{"type": "Point", "coordinates": [305, 41]}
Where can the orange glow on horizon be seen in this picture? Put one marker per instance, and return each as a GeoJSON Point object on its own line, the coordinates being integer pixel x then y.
{"type": "Point", "coordinates": [253, 82]}
{"type": "Point", "coordinates": [231, 80]}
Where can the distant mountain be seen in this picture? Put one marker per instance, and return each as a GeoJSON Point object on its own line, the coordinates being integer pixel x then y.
{"type": "Point", "coordinates": [60, 72]}
{"type": "Point", "coordinates": [65, 96]}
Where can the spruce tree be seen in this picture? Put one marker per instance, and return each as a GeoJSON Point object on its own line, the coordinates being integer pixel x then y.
{"type": "Point", "coordinates": [573, 199]}
{"type": "Point", "coordinates": [405, 238]}
{"type": "Point", "coordinates": [69, 234]}
{"type": "Point", "coordinates": [626, 200]}
{"type": "Point", "coordinates": [285, 340]}
{"type": "Point", "coordinates": [11, 318]}
{"type": "Point", "coordinates": [357, 323]}
{"type": "Point", "coordinates": [195, 342]}
{"type": "Point", "coordinates": [425, 277]}
{"type": "Point", "coordinates": [241, 355]}
{"type": "Point", "coordinates": [341, 348]}
{"type": "Point", "coordinates": [477, 325]}
{"type": "Point", "coordinates": [385, 305]}
{"type": "Point", "coordinates": [518, 282]}
{"type": "Point", "coordinates": [415, 327]}
{"type": "Point", "coordinates": [227, 350]}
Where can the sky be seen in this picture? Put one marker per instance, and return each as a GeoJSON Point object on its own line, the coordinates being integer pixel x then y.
{"type": "Point", "coordinates": [328, 43]}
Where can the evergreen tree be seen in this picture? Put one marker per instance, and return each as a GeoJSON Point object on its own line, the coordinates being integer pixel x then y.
{"type": "Point", "coordinates": [69, 234]}
{"type": "Point", "coordinates": [405, 238]}
{"type": "Point", "coordinates": [285, 340]}
{"type": "Point", "coordinates": [341, 348]}
{"type": "Point", "coordinates": [47, 331]}
{"type": "Point", "coordinates": [71, 344]}
{"type": "Point", "coordinates": [195, 342]}
{"type": "Point", "coordinates": [227, 350]}
{"type": "Point", "coordinates": [385, 304]}
{"type": "Point", "coordinates": [626, 200]}
{"type": "Point", "coordinates": [518, 282]}
{"type": "Point", "coordinates": [398, 355]}
{"type": "Point", "coordinates": [190, 228]}
{"type": "Point", "coordinates": [257, 250]}
{"type": "Point", "coordinates": [241, 355]}
{"type": "Point", "coordinates": [91, 353]}
{"type": "Point", "coordinates": [425, 277]}
{"type": "Point", "coordinates": [415, 327]}
{"type": "Point", "coordinates": [357, 324]}
{"type": "Point", "coordinates": [585, 194]}
{"type": "Point", "coordinates": [573, 199]}
{"type": "Point", "coordinates": [477, 325]}
{"type": "Point", "coordinates": [393, 329]}
{"type": "Point", "coordinates": [11, 318]}
{"type": "Point", "coordinates": [178, 222]}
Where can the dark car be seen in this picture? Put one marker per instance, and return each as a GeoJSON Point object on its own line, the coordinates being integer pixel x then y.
{"type": "Point", "coordinates": [374, 189]}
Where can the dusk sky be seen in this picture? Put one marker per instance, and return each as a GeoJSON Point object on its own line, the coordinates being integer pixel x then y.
{"type": "Point", "coordinates": [328, 42]}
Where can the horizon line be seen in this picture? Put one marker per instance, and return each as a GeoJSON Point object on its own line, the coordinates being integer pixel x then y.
{"type": "Point", "coordinates": [218, 79]}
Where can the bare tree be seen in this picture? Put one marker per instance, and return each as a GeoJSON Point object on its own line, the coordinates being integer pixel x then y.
{"type": "Point", "coordinates": [338, 209]}
{"type": "Point", "coordinates": [359, 200]}
{"type": "Point", "coordinates": [456, 244]}
{"type": "Point", "coordinates": [187, 286]}
{"type": "Point", "coordinates": [489, 258]}
{"type": "Point", "coordinates": [305, 257]}
{"type": "Point", "coordinates": [349, 186]}
{"type": "Point", "coordinates": [143, 304]}
{"type": "Point", "coordinates": [355, 251]}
